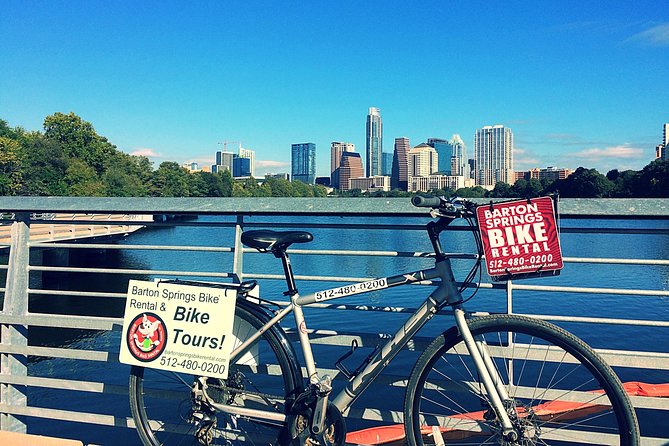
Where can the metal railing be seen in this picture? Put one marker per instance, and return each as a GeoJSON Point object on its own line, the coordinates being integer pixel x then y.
{"type": "Point", "coordinates": [41, 377]}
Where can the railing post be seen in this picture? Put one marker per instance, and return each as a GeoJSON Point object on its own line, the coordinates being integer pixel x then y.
{"type": "Point", "coordinates": [16, 304]}
{"type": "Point", "coordinates": [238, 259]}
{"type": "Point", "coordinates": [509, 297]}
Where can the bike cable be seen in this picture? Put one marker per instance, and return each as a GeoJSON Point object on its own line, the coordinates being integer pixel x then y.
{"type": "Point", "coordinates": [476, 269]}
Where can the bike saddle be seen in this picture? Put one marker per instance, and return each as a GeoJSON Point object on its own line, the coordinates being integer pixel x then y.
{"type": "Point", "coordinates": [265, 240]}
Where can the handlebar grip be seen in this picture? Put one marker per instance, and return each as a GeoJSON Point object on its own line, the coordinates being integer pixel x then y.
{"type": "Point", "coordinates": [425, 202]}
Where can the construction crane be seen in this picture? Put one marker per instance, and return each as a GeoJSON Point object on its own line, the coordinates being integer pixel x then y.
{"type": "Point", "coordinates": [225, 144]}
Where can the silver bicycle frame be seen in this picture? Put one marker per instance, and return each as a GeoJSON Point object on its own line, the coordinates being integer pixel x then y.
{"type": "Point", "coordinates": [446, 293]}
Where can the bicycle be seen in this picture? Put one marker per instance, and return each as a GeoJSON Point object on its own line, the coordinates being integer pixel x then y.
{"type": "Point", "coordinates": [493, 379]}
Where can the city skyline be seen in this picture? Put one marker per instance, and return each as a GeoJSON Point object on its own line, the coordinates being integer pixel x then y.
{"type": "Point", "coordinates": [579, 84]}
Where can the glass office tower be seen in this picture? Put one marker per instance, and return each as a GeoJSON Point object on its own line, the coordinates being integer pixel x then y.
{"type": "Point", "coordinates": [493, 152]}
{"type": "Point", "coordinates": [303, 162]}
{"type": "Point", "coordinates": [374, 137]}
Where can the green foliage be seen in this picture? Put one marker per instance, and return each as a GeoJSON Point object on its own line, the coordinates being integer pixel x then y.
{"type": "Point", "coordinates": [652, 181]}
{"type": "Point", "coordinates": [10, 166]}
{"type": "Point", "coordinates": [82, 180]}
{"type": "Point", "coordinates": [170, 180]}
{"type": "Point", "coordinates": [79, 139]}
{"type": "Point", "coordinates": [43, 165]}
{"type": "Point", "coordinates": [471, 192]}
{"type": "Point", "coordinates": [583, 183]}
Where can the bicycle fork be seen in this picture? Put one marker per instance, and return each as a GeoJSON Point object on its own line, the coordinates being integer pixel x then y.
{"type": "Point", "coordinates": [490, 378]}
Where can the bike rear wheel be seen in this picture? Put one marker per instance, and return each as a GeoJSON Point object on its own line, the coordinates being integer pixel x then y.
{"type": "Point", "coordinates": [560, 391]}
{"type": "Point", "coordinates": [263, 378]}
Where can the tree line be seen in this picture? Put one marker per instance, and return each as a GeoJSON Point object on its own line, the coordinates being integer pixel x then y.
{"type": "Point", "coordinates": [68, 158]}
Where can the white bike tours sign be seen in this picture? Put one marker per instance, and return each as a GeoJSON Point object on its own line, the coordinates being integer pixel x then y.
{"type": "Point", "coordinates": [520, 238]}
{"type": "Point", "coordinates": [177, 327]}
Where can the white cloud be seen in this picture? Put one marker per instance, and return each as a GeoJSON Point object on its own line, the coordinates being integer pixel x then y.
{"type": "Point", "coordinates": [270, 164]}
{"type": "Point", "coordinates": [615, 152]}
{"type": "Point", "coordinates": [524, 159]}
{"type": "Point", "coordinates": [655, 36]}
{"type": "Point", "coordinates": [621, 157]}
{"type": "Point", "coordinates": [145, 151]}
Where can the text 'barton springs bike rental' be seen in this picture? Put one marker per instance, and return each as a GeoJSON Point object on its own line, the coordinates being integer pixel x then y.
{"type": "Point", "coordinates": [520, 238]}
{"type": "Point", "coordinates": [180, 328]}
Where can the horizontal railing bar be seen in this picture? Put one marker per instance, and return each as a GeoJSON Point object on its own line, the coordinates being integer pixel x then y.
{"type": "Point", "coordinates": [63, 321]}
{"type": "Point", "coordinates": [590, 290]}
{"type": "Point", "coordinates": [67, 415]}
{"type": "Point", "coordinates": [613, 261]}
{"type": "Point", "coordinates": [64, 384]}
{"type": "Point", "coordinates": [128, 271]}
{"type": "Point", "coordinates": [62, 353]}
{"type": "Point", "coordinates": [130, 247]}
{"type": "Point", "coordinates": [583, 290]}
{"type": "Point", "coordinates": [76, 293]}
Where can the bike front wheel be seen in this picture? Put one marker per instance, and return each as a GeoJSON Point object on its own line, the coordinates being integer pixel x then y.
{"type": "Point", "coordinates": [560, 392]}
{"type": "Point", "coordinates": [166, 411]}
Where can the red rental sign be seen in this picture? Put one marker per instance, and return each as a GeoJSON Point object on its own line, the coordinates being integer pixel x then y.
{"type": "Point", "coordinates": [520, 238]}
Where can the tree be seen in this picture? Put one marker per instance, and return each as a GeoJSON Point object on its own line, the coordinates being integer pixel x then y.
{"type": "Point", "coordinates": [622, 182]}
{"type": "Point", "coordinates": [301, 189]}
{"type": "Point", "coordinates": [652, 180]}
{"type": "Point", "coordinates": [43, 164]}
{"type": "Point", "coordinates": [83, 181]}
{"type": "Point", "coordinates": [170, 180]}
{"type": "Point", "coordinates": [79, 139]}
{"type": "Point", "coordinates": [278, 187]}
{"type": "Point", "coordinates": [10, 166]}
{"type": "Point", "coordinates": [501, 190]}
{"type": "Point", "coordinates": [583, 183]}
{"type": "Point", "coordinates": [526, 189]}
{"type": "Point", "coordinates": [471, 192]}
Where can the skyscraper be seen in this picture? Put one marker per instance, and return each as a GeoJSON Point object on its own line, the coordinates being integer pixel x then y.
{"type": "Point", "coordinates": [445, 152]}
{"type": "Point", "coordinates": [251, 155]}
{"type": "Point", "coordinates": [423, 161]}
{"type": "Point", "coordinates": [459, 164]}
{"type": "Point", "coordinates": [399, 177]}
{"type": "Point", "coordinates": [336, 150]}
{"type": "Point", "coordinates": [303, 162]}
{"type": "Point", "coordinates": [223, 162]}
{"type": "Point", "coordinates": [350, 167]}
{"type": "Point", "coordinates": [387, 164]}
{"type": "Point", "coordinates": [374, 138]}
{"type": "Point", "coordinates": [493, 152]}
{"type": "Point", "coordinates": [241, 167]}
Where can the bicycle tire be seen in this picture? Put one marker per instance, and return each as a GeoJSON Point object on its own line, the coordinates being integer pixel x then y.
{"type": "Point", "coordinates": [161, 401]}
{"type": "Point", "coordinates": [445, 401]}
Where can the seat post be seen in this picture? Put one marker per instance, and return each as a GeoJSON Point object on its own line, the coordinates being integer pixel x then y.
{"type": "Point", "coordinates": [287, 271]}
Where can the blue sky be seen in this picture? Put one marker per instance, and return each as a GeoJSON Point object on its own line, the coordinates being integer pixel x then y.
{"type": "Point", "coordinates": [580, 83]}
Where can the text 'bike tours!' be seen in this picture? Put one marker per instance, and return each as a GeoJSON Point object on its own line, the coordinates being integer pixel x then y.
{"type": "Point", "coordinates": [178, 327]}
{"type": "Point", "coordinates": [520, 238]}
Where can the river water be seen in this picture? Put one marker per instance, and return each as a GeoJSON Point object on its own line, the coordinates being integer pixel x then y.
{"type": "Point", "coordinates": [114, 401]}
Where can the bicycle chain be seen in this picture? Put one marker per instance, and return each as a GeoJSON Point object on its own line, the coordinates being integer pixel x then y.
{"type": "Point", "coordinates": [227, 390]}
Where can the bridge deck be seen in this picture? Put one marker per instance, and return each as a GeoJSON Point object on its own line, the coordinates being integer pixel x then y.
{"type": "Point", "coordinates": [56, 228]}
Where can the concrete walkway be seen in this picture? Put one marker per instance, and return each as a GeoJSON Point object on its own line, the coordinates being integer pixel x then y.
{"type": "Point", "coordinates": [15, 439]}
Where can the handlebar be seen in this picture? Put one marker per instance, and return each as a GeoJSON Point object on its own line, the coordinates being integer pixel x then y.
{"type": "Point", "coordinates": [426, 202]}
{"type": "Point", "coordinates": [454, 207]}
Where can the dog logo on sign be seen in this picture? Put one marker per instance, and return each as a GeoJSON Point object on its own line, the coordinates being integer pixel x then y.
{"type": "Point", "coordinates": [146, 337]}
